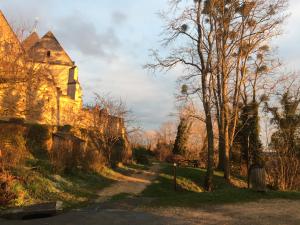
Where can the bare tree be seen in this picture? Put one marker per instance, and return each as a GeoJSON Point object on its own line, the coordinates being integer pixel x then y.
{"type": "Point", "coordinates": [194, 30]}
{"type": "Point", "coordinates": [108, 127]}
{"type": "Point", "coordinates": [243, 30]}
{"type": "Point", "coordinates": [216, 41]}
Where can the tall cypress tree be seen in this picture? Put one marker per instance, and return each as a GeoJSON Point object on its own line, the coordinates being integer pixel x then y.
{"type": "Point", "coordinates": [183, 132]}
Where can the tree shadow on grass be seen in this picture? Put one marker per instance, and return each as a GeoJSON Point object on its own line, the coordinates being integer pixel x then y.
{"type": "Point", "coordinates": [187, 195]}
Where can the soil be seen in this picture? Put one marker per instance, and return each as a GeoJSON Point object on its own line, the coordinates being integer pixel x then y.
{"type": "Point", "coordinates": [132, 184]}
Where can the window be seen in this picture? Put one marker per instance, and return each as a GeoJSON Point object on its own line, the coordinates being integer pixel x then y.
{"type": "Point", "coordinates": [48, 54]}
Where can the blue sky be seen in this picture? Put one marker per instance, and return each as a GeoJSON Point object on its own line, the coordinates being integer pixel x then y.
{"type": "Point", "coordinates": [109, 41]}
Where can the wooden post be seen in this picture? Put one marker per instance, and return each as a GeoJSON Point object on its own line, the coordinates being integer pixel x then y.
{"type": "Point", "coordinates": [175, 182]}
{"type": "Point", "coordinates": [248, 163]}
{"type": "Point", "coordinates": [257, 178]}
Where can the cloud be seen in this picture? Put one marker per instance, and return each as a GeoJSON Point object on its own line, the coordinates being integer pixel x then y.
{"type": "Point", "coordinates": [80, 34]}
{"type": "Point", "coordinates": [149, 97]}
{"type": "Point", "coordinates": [118, 17]}
{"type": "Point", "coordinates": [287, 43]}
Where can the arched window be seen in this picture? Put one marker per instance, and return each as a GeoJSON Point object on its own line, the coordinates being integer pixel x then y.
{"type": "Point", "coordinates": [48, 54]}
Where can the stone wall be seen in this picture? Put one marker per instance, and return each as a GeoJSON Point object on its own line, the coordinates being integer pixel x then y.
{"type": "Point", "coordinates": [37, 104]}
{"type": "Point", "coordinates": [12, 100]}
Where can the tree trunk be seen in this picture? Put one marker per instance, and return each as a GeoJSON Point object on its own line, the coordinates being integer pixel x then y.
{"type": "Point", "coordinates": [226, 143]}
{"type": "Point", "coordinates": [221, 149]}
{"type": "Point", "coordinates": [210, 156]}
{"type": "Point", "coordinates": [226, 155]}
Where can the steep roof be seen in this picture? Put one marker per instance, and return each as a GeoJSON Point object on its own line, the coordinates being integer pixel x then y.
{"type": "Point", "coordinates": [30, 41]}
{"type": "Point", "coordinates": [7, 33]}
{"type": "Point", "coordinates": [49, 50]}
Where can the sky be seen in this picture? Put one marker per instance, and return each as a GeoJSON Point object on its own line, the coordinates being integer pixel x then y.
{"type": "Point", "coordinates": [110, 42]}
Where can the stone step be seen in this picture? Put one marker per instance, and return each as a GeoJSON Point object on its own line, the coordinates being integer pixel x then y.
{"type": "Point", "coordinates": [33, 211]}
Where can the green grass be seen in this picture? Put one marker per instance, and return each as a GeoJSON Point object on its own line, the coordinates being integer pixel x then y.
{"type": "Point", "coordinates": [138, 166]}
{"type": "Point", "coordinates": [119, 197]}
{"type": "Point", "coordinates": [191, 192]}
{"type": "Point", "coordinates": [41, 184]}
{"type": "Point", "coordinates": [129, 169]}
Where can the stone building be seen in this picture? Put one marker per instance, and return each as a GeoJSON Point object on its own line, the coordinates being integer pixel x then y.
{"type": "Point", "coordinates": [39, 82]}
{"type": "Point", "coordinates": [62, 72]}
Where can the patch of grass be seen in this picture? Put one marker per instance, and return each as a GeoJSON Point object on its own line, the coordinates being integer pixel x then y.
{"type": "Point", "coordinates": [38, 183]}
{"type": "Point", "coordinates": [191, 192]}
{"type": "Point", "coordinates": [130, 169]}
{"type": "Point", "coordinates": [138, 166]}
{"type": "Point", "coordinates": [119, 197]}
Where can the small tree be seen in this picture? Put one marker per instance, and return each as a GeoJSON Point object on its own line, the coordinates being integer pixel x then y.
{"type": "Point", "coordinates": [284, 166]}
{"type": "Point", "coordinates": [108, 129]}
{"type": "Point", "coordinates": [164, 139]}
{"type": "Point", "coordinates": [247, 138]}
{"type": "Point", "coordinates": [181, 141]}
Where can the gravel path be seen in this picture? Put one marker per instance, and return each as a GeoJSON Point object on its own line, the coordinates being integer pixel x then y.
{"type": "Point", "coordinates": [133, 184]}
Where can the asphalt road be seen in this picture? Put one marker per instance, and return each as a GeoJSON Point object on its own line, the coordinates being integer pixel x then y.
{"type": "Point", "coordinates": [265, 212]}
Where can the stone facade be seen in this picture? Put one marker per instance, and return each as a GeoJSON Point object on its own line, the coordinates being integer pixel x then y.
{"type": "Point", "coordinates": [42, 85]}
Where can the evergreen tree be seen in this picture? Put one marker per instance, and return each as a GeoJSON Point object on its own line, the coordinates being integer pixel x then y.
{"type": "Point", "coordinates": [287, 120]}
{"type": "Point", "coordinates": [248, 135]}
{"type": "Point", "coordinates": [183, 132]}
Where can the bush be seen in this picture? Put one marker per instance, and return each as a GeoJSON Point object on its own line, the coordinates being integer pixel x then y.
{"type": "Point", "coordinates": [163, 151]}
{"type": "Point", "coordinates": [65, 128]}
{"type": "Point", "coordinates": [121, 152]}
{"type": "Point", "coordinates": [67, 152]}
{"type": "Point", "coordinates": [6, 195]}
{"type": "Point", "coordinates": [142, 159]}
{"type": "Point", "coordinates": [141, 155]}
{"type": "Point", "coordinates": [12, 146]}
{"type": "Point", "coordinates": [13, 153]}
{"type": "Point", "coordinates": [175, 158]}
{"type": "Point", "coordinates": [283, 171]}
{"type": "Point", "coordinates": [93, 160]}
{"type": "Point", "coordinates": [38, 138]}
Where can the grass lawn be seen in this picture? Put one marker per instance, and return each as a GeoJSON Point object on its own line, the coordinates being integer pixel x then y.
{"type": "Point", "coordinates": [137, 166]}
{"type": "Point", "coordinates": [191, 193]}
{"type": "Point", "coordinates": [40, 184]}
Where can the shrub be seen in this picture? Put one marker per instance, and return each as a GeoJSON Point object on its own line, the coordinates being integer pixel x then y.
{"type": "Point", "coordinates": [283, 171]}
{"type": "Point", "coordinates": [163, 151]}
{"type": "Point", "coordinates": [141, 155]}
{"type": "Point", "coordinates": [67, 152]}
{"type": "Point", "coordinates": [65, 128]}
{"type": "Point", "coordinates": [58, 156]}
{"type": "Point", "coordinates": [175, 159]}
{"type": "Point", "coordinates": [12, 155]}
{"type": "Point", "coordinates": [142, 159]}
{"type": "Point", "coordinates": [38, 138]}
{"type": "Point", "coordinates": [12, 146]}
{"type": "Point", "coordinates": [6, 195]}
{"type": "Point", "coordinates": [93, 160]}
{"type": "Point", "coordinates": [121, 152]}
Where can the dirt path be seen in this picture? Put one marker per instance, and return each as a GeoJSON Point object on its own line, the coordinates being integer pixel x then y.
{"type": "Point", "coordinates": [133, 184]}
